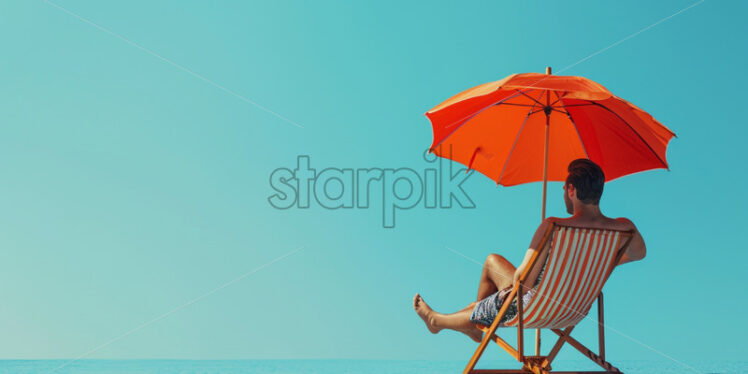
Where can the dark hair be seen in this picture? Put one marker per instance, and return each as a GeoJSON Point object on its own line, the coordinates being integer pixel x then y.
{"type": "Point", "coordinates": [588, 179]}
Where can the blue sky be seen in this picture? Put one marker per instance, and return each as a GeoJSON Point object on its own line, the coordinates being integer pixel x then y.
{"type": "Point", "coordinates": [135, 175]}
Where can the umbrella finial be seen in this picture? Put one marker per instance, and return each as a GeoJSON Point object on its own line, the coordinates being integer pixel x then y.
{"type": "Point", "coordinates": [548, 70]}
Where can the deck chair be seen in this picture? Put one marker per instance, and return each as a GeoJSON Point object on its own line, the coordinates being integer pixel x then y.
{"type": "Point", "coordinates": [576, 268]}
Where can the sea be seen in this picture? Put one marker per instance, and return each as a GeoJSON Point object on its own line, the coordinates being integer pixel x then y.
{"type": "Point", "coordinates": [338, 366]}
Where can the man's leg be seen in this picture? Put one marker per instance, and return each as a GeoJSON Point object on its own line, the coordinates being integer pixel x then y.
{"type": "Point", "coordinates": [498, 273]}
{"type": "Point", "coordinates": [458, 321]}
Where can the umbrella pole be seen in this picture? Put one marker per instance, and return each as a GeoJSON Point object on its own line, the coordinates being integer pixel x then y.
{"type": "Point", "coordinates": [545, 188]}
{"type": "Point", "coordinates": [545, 181]}
{"type": "Point", "coordinates": [545, 161]}
{"type": "Point", "coordinates": [547, 136]}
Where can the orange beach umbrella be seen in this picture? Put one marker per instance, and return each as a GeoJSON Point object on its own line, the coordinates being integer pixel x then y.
{"type": "Point", "coordinates": [528, 127]}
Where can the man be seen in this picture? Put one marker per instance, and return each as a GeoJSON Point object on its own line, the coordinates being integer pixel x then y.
{"type": "Point", "coordinates": [582, 192]}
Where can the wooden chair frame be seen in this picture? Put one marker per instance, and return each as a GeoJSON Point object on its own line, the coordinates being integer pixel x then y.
{"type": "Point", "coordinates": [542, 364]}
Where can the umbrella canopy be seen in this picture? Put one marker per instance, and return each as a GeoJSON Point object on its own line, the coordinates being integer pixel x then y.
{"type": "Point", "coordinates": [528, 127]}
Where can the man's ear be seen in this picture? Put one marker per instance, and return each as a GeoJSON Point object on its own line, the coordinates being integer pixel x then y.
{"type": "Point", "coordinates": [571, 191]}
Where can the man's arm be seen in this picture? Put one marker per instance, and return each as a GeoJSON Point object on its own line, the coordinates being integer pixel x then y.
{"type": "Point", "coordinates": [534, 244]}
{"type": "Point", "coordinates": [637, 249]}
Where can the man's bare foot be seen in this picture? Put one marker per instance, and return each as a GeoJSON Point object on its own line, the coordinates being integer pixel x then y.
{"type": "Point", "coordinates": [425, 312]}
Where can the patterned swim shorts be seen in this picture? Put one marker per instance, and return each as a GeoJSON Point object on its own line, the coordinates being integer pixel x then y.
{"type": "Point", "coordinates": [486, 310]}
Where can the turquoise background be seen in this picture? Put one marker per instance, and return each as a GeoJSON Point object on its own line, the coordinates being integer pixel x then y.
{"type": "Point", "coordinates": [129, 186]}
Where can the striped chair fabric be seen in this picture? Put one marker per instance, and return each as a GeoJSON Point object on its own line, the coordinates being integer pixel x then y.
{"type": "Point", "coordinates": [577, 266]}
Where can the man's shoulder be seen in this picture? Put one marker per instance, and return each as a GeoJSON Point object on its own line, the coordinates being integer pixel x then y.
{"type": "Point", "coordinates": [625, 223]}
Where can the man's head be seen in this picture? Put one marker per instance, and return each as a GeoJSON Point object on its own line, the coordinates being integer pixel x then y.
{"type": "Point", "coordinates": [584, 184]}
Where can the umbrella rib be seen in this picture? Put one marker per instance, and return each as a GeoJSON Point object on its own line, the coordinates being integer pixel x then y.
{"type": "Point", "coordinates": [532, 98]}
{"type": "Point", "coordinates": [560, 111]}
{"type": "Point", "coordinates": [559, 97]}
{"type": "Point", "coordinates": [566, 106]}
{"type": "Point", "coordinates": [467, 119]}
{"type": "Point", "coordinates": [568, 114]}
{"type": "Point", "coordinates": [515, 104]}
{"type": "Point", "coordinates": [511, 151]}
{"type": "Point", "coordinates": [635, 132]}
{"type": "Point", "coordinates": [552, 109]}
{"type": "Point", "coordinates": [537, 111]}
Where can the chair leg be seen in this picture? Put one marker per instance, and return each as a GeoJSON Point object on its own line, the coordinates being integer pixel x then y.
{"type": "Point", "coordinates": [478, 352]}
{"type": "Point", "coordinates": [587, 352]}
{"type": "Point", "coordinates": [600, 326]}
{"type": "Point", "coordinates": [557, 347]}
{"type": "Point", "coordinates": [490, 334]}
{"type": "Point", "coordinates": [520, 326]}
